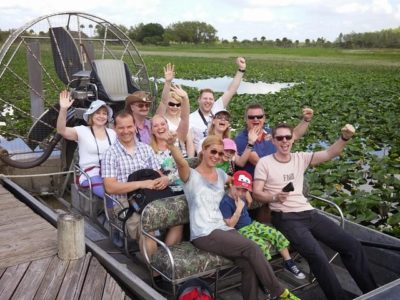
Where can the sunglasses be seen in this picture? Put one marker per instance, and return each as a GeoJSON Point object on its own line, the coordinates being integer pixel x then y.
{"type": "Point", "coordinates": [222, 117]}
{"type": "Point", "coordinates": [215, 152]}
{"type": "Point", "coordinates": [281, 137]}
{"type": "Point", "coordinates": [141, 105]}
{"type": "Point", "coordinates": [259, 117]}
{"type": "Point", "coordinates": [172, 104]}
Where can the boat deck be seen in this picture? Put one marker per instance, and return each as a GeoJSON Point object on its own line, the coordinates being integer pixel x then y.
{"type": "Point", "coordinates": [30, 267]}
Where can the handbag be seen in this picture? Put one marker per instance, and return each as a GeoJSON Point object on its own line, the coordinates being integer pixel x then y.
{"type": "Point", "coordinates": [141, 197]}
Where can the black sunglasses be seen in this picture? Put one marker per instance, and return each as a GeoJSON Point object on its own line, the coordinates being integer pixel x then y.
{"type": "Point", "coordinates": [215, 152]}
{"type": "Point", "coordinates": [259, 117]}
{"type": "Point", "coordinates": [141, 105]}
{"type": "Point", "coordinates": [172, 104]}
{"type": "Point", "coordinates": [281, 137]}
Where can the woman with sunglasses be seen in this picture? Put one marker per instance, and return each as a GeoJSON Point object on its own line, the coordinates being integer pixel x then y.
{"type": "Point", "coordinates": [138, 105]}
{"type": "Point", "coordinates": [171, 107]}
{"type": "Point", "coordinates": [220, 126]}
{"type": "Point", "coordinates": [159, 127]}
{"type": "Point", "coordinates": [204, 189]}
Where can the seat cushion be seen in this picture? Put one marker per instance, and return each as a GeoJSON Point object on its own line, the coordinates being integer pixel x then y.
{"type": "Point", "coordinates": [189, 261]}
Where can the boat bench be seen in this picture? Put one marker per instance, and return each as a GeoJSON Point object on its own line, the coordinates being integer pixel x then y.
{"type": "Point", "coordinates": [181, 261]}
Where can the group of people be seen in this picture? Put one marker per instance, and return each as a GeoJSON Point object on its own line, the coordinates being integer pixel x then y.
{"type": "Point", "coordinates": [257, 164]}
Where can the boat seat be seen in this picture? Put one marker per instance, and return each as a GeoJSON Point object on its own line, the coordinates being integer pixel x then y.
{"type": "Point", "coordinates": [182, 261]}
{"type": "Point", "coordinates": [87, 202]}
{"type": "Point", "coordinates": [113, 79]}
{"type": "Point", "coordinates": [117, 232]}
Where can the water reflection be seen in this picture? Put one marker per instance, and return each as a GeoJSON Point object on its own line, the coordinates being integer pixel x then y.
{"type": "Point", "coordinates": [220, 84]}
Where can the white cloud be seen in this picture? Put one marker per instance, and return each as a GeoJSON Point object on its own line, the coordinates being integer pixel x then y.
{"type": "Point", "coordinates": [257, 15]}
{"type": "Point", "coordinates": [351, 8]}
{"type": "Point", "coordinates": [381, 6]}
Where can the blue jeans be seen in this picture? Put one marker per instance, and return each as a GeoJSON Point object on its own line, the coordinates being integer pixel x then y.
{"type": "Point", "coordinates": [305, 230]}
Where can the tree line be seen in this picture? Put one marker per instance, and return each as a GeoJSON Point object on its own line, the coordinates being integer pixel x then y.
{"type": "Point", "coordinates": [195, 32]}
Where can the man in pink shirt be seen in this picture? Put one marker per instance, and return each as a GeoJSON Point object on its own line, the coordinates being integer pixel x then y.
{"type": "Point", "coordinates": [294, 216]}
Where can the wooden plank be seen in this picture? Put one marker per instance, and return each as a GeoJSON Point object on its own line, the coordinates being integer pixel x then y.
{"type": "Point", "coordinates": [18, 212]}
{"type": "Point", "coordinates": [39, 250]}
{"type": "Point", "coordinates": [112, 290]}
{"type": "Point", "coordinates": [32, 279]}
{"type": "Point", "coordinates": [18, 219]}
{"type": "Point", "coordinates": [3, 190]}
{"type": "Point", "coordinates": [52, 280]}
{"type": "Point", "coordinates": [95, 281]}
{"type": "Point", "coordinates": [29, 230]}
{"type": "Point", "coordinates": [10, 201]}
{"type": "Point", "coordinates": [10, 279]}
{"type": "Point", "coordinates": [73, 280]}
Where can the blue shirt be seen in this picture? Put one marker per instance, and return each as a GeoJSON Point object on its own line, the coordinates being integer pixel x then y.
{"type": "Point", "coordinates": [227, 207]}
{"type": "Point", "coordinates": [262, 148]}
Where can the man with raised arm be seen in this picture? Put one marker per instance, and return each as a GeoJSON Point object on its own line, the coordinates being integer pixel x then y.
{"type": "Point", "coordinates": [200, 118]}
{"type": "Point", "coordinates": [303, 225]}
{"type": "Point", "coordinates": [255, 118]}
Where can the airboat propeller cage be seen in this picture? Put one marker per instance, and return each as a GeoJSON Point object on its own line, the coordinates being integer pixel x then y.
{"type": "Point", "coordinates": [97, 63]}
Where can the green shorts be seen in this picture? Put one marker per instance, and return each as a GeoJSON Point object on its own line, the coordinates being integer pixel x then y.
{"type": "Point", "coordinates": [265, 237]}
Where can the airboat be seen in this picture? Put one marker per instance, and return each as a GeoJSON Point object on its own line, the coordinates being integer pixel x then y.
{"type": "Point", "coordinates": [94, 59]}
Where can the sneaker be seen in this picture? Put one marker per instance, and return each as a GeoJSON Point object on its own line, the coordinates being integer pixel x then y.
{"type": "Point", "coordinates": [291, 267]}
{"type": "Point", "coordinates": [288, 295]}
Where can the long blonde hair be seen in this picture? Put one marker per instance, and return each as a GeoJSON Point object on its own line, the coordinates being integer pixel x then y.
{"type": "Point", "coordinates": [210, 140]}
{"type": "Point", "coordinates": [153, 139]}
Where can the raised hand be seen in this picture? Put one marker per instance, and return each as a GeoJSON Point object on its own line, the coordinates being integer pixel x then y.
{"type": "Point", "coordinates": [177, 89]}
{"type": "Point", "coordinates": [241, 63]}
{"type": "Point", "coordinates": [65, 99]}
{"type": "Point", "coordinates": [308, 114]}
{"type": "Point", "coordinates": [348, 131]}
{"type": "Point", "coordinates": [169, 72]}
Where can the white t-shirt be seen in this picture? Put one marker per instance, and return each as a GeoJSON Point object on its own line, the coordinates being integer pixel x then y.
{"type": "Point", "coordinates": [277, 174]}
{"type": "Point", "coordinates": [88, 156]}
{"type": "Point", "coordinates": [203, 200]}
{"type": "Point", "coordinates": [196, 122]}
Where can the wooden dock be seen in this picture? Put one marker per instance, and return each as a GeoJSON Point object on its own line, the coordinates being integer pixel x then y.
{"type": "Point", "coordinates": [30, 267]}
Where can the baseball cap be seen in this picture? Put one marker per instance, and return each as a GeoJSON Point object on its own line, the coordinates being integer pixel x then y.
{"type": "Point", "coordinates": [243, 179]}
{"type": "Point", "coordinates": [222, 110]}
{"type": "Point", "coordinates": [229, 144]}
{"type": "Point", "coordinates": [94, 106]}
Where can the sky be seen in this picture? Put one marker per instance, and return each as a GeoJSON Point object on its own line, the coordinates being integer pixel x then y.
{"type": "Point", "coordinates": [245, 19]}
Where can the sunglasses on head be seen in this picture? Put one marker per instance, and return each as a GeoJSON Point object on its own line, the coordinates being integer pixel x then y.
{"type": "Point", "coordinates": [281, 137]}
{"type": "Point", "coordinates": [215, 152]}
{"type": "Point", "coordinates": [172, 104]}
{"type": "Point", "coordinates": [141, 105]}
{"type": "Point", "coordinates": [222, 117]}
{"type": "Point", "coordinates": [259, 117]}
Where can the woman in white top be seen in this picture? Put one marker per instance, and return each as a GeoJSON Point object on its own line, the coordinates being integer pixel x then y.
{"type": "Point", "coordinates": [204, 189]}
{"type": "Point", "coordinates": [93, 140]}
{"type": "Point", "coordinates": [171, 107]}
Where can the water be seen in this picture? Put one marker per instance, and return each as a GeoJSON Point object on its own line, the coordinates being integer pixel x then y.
{"type": "Point", "coordinates": [220, 84]}
{"type": "Point", "coordinates": [20, 150]}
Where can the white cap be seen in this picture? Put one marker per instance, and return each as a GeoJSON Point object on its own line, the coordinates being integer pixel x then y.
{"type": "Point", "coordinates": [222, 110]}
{"type": "Point", "coordinates": [94, 106]}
